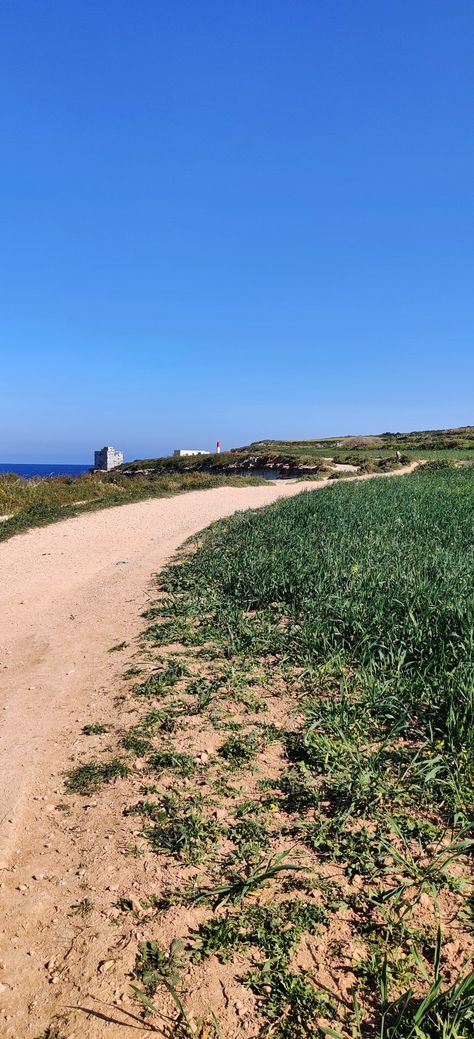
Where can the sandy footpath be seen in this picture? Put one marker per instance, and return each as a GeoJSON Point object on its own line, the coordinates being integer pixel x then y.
{"type": "Point", "coordinates": [68, 593]}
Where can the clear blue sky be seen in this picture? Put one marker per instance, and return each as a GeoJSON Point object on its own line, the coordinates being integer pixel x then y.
{"type": "Point", "coordinates": [233, 220]}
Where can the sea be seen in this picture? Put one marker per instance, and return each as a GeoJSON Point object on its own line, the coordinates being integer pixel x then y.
{"type": "Point", "coordinates": [29, 469]}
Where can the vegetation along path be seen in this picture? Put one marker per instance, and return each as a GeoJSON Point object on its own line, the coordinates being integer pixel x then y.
{"type": "Point", "coordinates": [70, 594]}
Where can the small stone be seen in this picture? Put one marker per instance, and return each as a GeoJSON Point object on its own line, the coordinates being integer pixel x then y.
{"type": "Point", "coordinates": [105, 966]}
{"type": "Point", "coordinates": [3, 988]}
{"type": "Point", "coordinates": [22, 887]}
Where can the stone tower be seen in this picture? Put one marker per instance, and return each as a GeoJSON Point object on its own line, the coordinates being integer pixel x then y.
{"type": "Point", "coordinates": [107, 458]}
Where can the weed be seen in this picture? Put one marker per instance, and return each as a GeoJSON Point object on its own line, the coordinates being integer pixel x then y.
{"type": "Point", "coordinates": [156, 966]}
{"type": "Point", "coordinates": [444, 1012]}
{"type": "Point", "coordinates": [299, 789]}
{"type": "Point", "coordinates": [162, 679]}
{"type": "Point", "coordinates": [240, 750]}
{"type": "Point", "coordinates": [133, 850]}
{"type": "Point", "coordinates": [273, 929]}
{"type": "Point", "coordinates": [360, 851]}
{"type": "Point", "coordinates": [95, 729]}
{"type": "Point", "coordinates": [205, 692]}
{"type": "Point", "coordinates": [132, 672]}
{"type": "Point", "coordinates": [168, 632]}
{"type": "Point", "coordinates": [53, 1031]}
{"type": "Point", "coordinates": [89, 777]}
{"type": "Point", "coordinates": [241, 884]}
{"type": "Point", "coordinates": [172, 759]}
{"type": "Point", "coordinates": [151, 721]}
{"type": "Point", "coordinates": [292, 1003]}
{"type": "Point", "coordinates": [416, 875]}
{"type": "Point", "coordinates": [137, 744]}
{"type": "Point", "coordinates": [183, 830]}
{"type": "Point", "coordinates": [125, 905]}
{"type": "Point", "coordinates": [250, 837]}
{"type": "Point", "coordinates": [82, 908]}
{"type": "Point", "coordinates": [224, 788]}
{"type": "Point", "coordinates": [149, 809]}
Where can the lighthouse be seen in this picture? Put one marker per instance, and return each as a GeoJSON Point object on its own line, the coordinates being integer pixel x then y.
{"type": "Point", "coordinates": [218, 447]}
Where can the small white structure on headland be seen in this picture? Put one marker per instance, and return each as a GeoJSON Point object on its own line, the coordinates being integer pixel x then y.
{"type": "Point", "coordinates": [182, 452]}
{"type": "Point", "coordinates": [107, 458]}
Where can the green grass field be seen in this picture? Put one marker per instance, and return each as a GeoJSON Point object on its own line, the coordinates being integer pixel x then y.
{"type": "Point", "coordinates": [321, 853]}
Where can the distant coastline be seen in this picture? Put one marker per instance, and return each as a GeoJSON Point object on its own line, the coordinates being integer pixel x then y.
{"type": "Point", "coordinates": [30, 469]}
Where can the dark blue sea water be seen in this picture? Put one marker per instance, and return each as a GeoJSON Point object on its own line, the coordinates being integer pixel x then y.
{"type": "Point", "coordinates": [28, 470]}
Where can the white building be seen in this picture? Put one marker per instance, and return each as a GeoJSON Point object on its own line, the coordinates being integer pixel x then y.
{"type": "Point", "coordinates": [182, 452]}
{"type": "Point", "coordinates": [107, 458]}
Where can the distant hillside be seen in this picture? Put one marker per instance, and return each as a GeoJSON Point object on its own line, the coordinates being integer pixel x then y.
{"type": "Point", "coordinates": [369, 453]}
{"type": "Point", "coordinates": [461, 438]}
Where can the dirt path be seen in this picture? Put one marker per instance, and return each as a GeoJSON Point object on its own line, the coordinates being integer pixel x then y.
{"type": "Point", "coordinates": [68, 593]}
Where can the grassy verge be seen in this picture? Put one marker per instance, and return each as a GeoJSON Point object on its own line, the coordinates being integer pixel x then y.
{"type": "Point", "coordinates": [38, 502]}
{"type": "Point", "coordinates": [304, 727]}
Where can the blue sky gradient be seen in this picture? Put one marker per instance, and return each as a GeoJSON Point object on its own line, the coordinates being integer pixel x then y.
{"type": "Point", "coordinates": [233, 220]}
